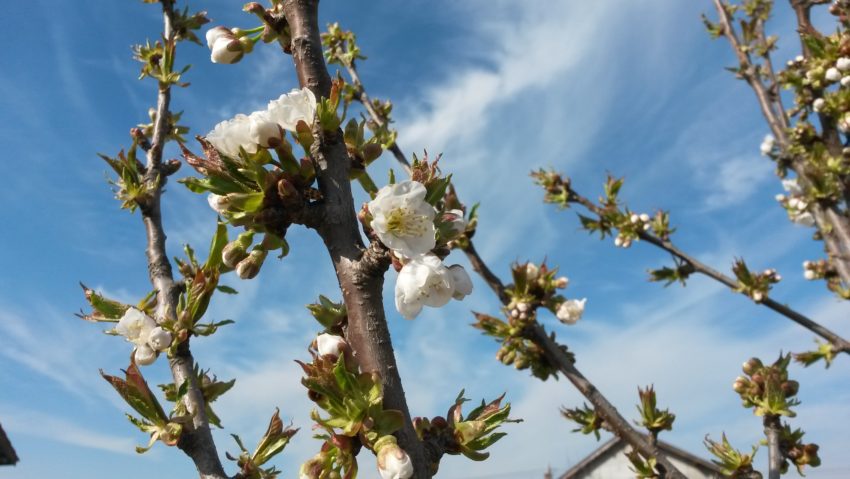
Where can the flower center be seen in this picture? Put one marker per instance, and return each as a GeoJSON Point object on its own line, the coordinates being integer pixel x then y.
{"type": "Point", "coordinates": [402, 221]}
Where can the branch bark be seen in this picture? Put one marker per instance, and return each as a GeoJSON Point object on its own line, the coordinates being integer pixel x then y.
{"type": "Point", "coordinates": [360, 281]}
{"type": "Point", "coordinates": [196, 441]}
{"type": "Point", "coordinates": [774, 453]}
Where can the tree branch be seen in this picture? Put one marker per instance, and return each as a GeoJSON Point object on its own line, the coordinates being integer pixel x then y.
{"type": "Point", "coordinates": [379, 119]}
{"type": "Point", "coordinates": [833, 226]}
{"type": "Point", "coordinates": [196, 441]}
{"type": "Point", "coordinates": [360, 281]}
{"type": "Point", "coordinates": [774, 453]}
{"type": "Point", "coordinates": [840, 344]}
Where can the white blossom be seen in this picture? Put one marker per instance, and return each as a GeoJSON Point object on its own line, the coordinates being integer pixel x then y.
{"type": "Point", "coordinates": [845, 81]}
{"type": "Point", "coordinates": [767, 144]}
{"type": "Point", "coordinates": [403, 220]}
{"type": "Point", "coordinates": [644, 217]}
{"type": "Point", "coordinates": [329, 344]}
{"type": "Point", "coordinates": [423, 281]}
{"type": "Point", "coordinates": [144, 355]}
{"type": "Point", "coordinates": [215, 33]}
{"type": "Point", "coordinates": [791, 186]}
{"type": "Point", "coordinates": [799, 59]}
{"type": "Point", "coordinates": [833, 74]}
{"type": "Point", "coordinates": [229, 135]}
{"type": "Point", "coordinates": [290, 108]}
{"type": "Point", "coordinates": [159, 339]}
{"type": "Point", "coordinates": [809, 275]}
{"type": "Point", "coordinates": [135, 326]}
{"type": "Point", "coordinates": [462, 282]}
{"type": "Point", "coordinates": [394, 463]}
{"type": "Point", "coordinates": [818, 104]}
{"type": "Point", "coordinates": [571, 310]}
{"type": "Point", "coordinates": [265, 131]}
{"type": "Point", "coordinates": [562, 282]}
{"type": "Point", "coordinates": [843, 64]}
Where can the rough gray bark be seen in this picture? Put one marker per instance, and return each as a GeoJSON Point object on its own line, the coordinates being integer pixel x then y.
{"type": "Point", "coordinates": [774, 453]}
{"type": "Point", "coordinates": [359, 271]}
{"type": "Point", "coordinates": [196, 441]}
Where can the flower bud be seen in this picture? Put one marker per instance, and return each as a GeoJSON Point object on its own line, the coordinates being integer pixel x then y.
{"type": "Point", "coordinates": [249, 267]}
{"type": "Point", "coordinates": [233, 253]}
{"type": "Point", "coordinates": [144, 355]}
{"type": "Point", "coordinates": [845, 81]}
{"type": "Point", "coordinates": [330, 345]}
{"type": "Point", "coordinates": [462, 282]}
{"type": "Point", "coordinates": [531, 271]}
{"type": "Point", "coordinates": [219, 203]}
{"type": "Point", "coordinates": [634, 218]}
{"type": "Point", "coordinates": [455, 218]}
{"type": "Point", "coordinates": [571, 310]}
{"type": "Point", "coordinates": [818, 104]}
{"type": "Point", "coordinates": [790, 388]}
{"type": "Point", "coordinates": [562, 282]}
{"type": "Point", "coordinates": [159, 339]}
{"type": "Point", "coordinates": [644, 217]}
{"type": "Point", "coordinates": [214, 33]}
{"type": "Point", "coordinates": [843, 64]}
{"type": "Point", "coordinates": [752, 366]}
{"type": "Point", "coordinates": [809, 275]}
{"type": "Point", "coordinates": [393, 461]}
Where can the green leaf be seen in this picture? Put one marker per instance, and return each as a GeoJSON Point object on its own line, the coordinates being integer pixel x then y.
{"type": "Point", "coordinates": [226, 289]}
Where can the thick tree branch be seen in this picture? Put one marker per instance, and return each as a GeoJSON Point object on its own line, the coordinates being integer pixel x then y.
{"type": "Point", "coordinates": [196, 441]}
{"type": "Point", "coordinates": [839, 343]}
{"type": "Point", "coordinates": [360, 281]}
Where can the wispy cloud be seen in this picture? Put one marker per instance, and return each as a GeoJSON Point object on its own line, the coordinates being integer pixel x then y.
{"type": "Point", "coordinates": [37, 424]}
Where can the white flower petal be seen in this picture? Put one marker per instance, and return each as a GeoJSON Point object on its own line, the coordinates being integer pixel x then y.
{"type": "Point", "coordinates": [135, 325]}
{"type": "Point", "coordinates": [159, 339]}
{"type": "Point", "coordinates": [403, 220]}
{"type": "Point", "coordinates": [462, 282]}
{"type": "Point", "coordinates": [290, 108]}
{"type": "Point", "coordinates": [423, 281]}
{"type": "Point", "coordinates": [571, 310]}
{"type": "Point", "coordinates": [329, 344]}
{"type": "Point", "coordinates": [144, 355]}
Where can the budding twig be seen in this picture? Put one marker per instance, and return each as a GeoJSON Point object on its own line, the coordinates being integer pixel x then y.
{"type": "Point", "coordinates": [832, 224]}
{"type": "Point", "coordinates": [840, 344]}
{"type": "Point", "coordinates": [197, 441]}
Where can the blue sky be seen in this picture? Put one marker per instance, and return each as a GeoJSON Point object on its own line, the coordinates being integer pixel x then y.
{"type": "Point", "coordinates": [499, 87]}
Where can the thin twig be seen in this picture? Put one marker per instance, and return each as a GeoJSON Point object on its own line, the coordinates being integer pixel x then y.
{"type": "Point", "coordinates": [196, 440]}
{"type": "Point", "coordinates": [839, 343]}
{"type": "Point", "coordinates": [379, 119]}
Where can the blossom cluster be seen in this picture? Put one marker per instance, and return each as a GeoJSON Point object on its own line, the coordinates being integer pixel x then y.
{"type": "Point", "coordinates": [141, 330]}
{"type": "Point", "coordinates": [264, 128]}
{"type": "Point", "coordinates": [795, 203]}
{"type": "Point", "coordinates": [404, 222]}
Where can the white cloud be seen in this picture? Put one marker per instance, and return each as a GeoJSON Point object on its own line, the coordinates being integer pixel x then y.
{"type": "Point", "coordinates": [27, 422]}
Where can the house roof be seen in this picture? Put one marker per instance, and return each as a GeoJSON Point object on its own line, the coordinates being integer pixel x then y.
{"type": "Point", "coordinates": [671, 450]}
{"type": "Point", "coordinates": [7, 452]}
